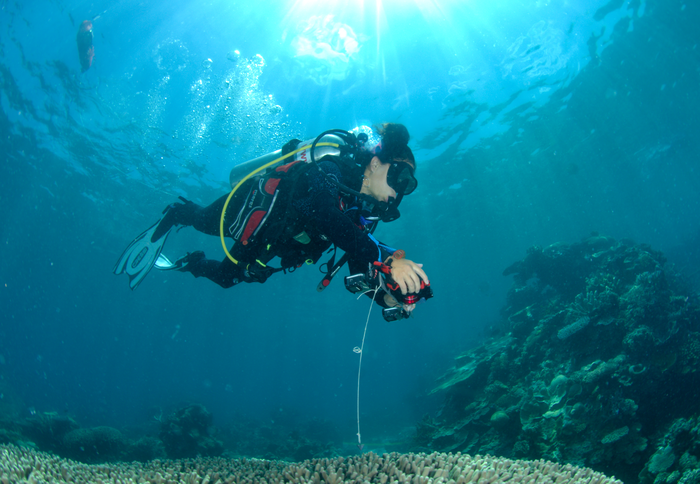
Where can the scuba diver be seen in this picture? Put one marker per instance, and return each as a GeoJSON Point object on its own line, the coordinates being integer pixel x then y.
{"type": "Point", "coordinates": [329, 191]}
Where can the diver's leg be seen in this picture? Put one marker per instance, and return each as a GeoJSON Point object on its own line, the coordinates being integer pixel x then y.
{"type": "Point", "coordinates": [224, 273]}
{"type": "Point", "coordinates": [176, 214]}
{"type": "Point", "coordinates": [208, 219]}
{"type": "Point", "coordinates": [203, 219]}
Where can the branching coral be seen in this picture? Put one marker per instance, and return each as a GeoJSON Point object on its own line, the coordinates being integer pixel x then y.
{"type": "Point", "coordinates": [22, 465]}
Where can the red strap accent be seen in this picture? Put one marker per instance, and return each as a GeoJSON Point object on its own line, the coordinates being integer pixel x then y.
{"type": "Point", "coordinates": [271, 185]}
{"type": "Point", "coordinates": [252, 224]}
{"type": "Point", "coordinates": [385, 269]}
{"type": "Point", "coordinates": [285, 168]}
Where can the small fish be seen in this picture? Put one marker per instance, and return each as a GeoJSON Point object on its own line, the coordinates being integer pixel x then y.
{"type": "Point", "coordinates": [86, 51]}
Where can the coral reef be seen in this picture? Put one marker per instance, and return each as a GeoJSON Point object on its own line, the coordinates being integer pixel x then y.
{"type": "Point", "coordinates": [144, 449]}
{"type": "Point", "coordinates": [186, 433]}
{"type": "Point", "coordinates": [62, 435]}
{"type": "Point", "coordinates": [22, 465]}
{"type": "Point", "coordinates": [97, 444]}
{"type": "Point", "coordinates": [277, 439]}
{"type": "Point", "coordinates": [46, 430]}
{"type": "Point", "coordinates": [677, 456]}
{"type": "Point", "coordinates": [598, 355]}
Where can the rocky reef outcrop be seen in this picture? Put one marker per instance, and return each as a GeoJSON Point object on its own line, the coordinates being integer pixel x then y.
{"type": "Point", "coordinates": [597, 356]}
{"type": "Point", "coordinates": [94, 444]}
{"type": "Point", "coordinates": [46, 430]}
{"type": "Point", "coordinates": [677, 456]}
{"type": "Point", "coordinates": [188, 432]}
{"type": "Point", "coordinates": [63, 436]}
{"type": "Point", "coordinates": [293, 440]}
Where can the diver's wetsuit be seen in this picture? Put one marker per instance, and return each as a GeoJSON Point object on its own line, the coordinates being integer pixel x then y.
{"type": "Point", "coordinates": [318, 203]}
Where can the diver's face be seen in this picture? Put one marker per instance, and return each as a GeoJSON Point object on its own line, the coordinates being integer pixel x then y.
{"type": "Point", "coordinates": [374, 182]}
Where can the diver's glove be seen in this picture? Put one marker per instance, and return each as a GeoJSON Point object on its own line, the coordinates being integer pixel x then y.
{"type": "Point", "coordinates": [176, 214]}
{"type": "Point", "coordinates": [187, 262]}
{"type": "Point", "coordinates": [183, 206]}
{"type": "Point", "coordinates": [258, 272]}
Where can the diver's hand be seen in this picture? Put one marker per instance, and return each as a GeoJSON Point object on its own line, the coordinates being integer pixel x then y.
{"type": "Point", "coordinates": [407, 274]}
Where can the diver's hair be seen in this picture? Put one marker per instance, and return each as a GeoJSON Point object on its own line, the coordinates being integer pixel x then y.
{"type": "Point", "coordinates": [395, 140]}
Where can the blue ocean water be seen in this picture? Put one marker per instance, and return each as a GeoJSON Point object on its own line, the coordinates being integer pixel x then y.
{"type": "Point", "coordinates": [533, 122]}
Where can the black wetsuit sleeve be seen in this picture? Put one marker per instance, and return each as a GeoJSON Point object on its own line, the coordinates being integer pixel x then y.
{"type": "Point", "coordinates": [340, 230]}
{"type": "Point", "coordinates": [334, 224]}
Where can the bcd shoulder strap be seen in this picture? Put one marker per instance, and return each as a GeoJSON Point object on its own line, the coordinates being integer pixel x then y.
{"type": "Point", "coordinates": [261, 218]}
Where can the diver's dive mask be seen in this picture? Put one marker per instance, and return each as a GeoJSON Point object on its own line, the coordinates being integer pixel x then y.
{"type": "Point", "coordinates": [400, 177]}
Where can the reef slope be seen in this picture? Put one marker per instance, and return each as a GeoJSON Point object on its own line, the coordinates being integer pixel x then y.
{"type": "Point", "coordinates": [595, 365]}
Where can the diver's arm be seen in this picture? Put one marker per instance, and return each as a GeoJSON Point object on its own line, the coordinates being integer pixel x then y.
{"type": "Point", "coordinates": [331, 222]}
{"type": "Point", "coordinates": [340, 230]}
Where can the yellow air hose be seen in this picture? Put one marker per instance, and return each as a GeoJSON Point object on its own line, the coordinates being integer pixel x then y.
{"type": "Point", "coordinates": [244, 179]}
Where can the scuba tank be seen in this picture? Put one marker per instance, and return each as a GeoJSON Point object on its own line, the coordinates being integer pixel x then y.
{"type": "Point", "coordinates": [327, 144]}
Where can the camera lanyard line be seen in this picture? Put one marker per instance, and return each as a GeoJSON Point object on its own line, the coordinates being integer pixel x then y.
{"type": "Point", "coordinates": [359, 350]}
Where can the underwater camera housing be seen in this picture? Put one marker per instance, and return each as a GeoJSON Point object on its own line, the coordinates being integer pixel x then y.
{"type": "Point", "coordinates": [359, 283]}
